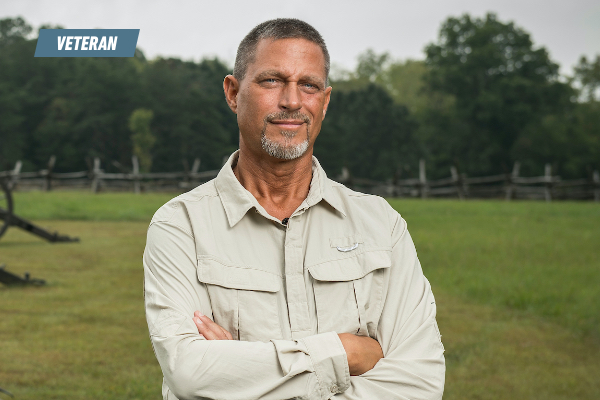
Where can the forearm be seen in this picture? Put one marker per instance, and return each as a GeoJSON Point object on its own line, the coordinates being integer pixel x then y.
{"type": "Point", "coordinates": [414, 370]}
{"type": "Point", "coordinates": [198, 368]}
{"type": "Point", "coordinates": [413, 365]}
{"type": "Point", "coordinates": [194, 367]}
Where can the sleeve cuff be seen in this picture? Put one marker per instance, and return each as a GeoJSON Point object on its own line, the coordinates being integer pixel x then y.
{"type": "Point", "coordinates": [330, 362]}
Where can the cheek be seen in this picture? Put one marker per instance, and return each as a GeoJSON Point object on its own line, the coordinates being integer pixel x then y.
{"type": "Point", "coordinates": [314, 104]}
{"type": "Point", "coordinates": [316, 111]}
{"type": "Point", "coordinates": [255, 107]}
{"type": "Point", "coordinates": [248, 113]}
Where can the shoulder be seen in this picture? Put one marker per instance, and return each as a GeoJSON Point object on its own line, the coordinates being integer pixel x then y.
{"type": "Point", "coordinates": [371, 207]}
{"type": "Point", "coordinates": [175, 211]}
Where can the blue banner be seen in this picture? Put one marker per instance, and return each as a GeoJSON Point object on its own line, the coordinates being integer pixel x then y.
{"type": "Point", "coordinates": [87, 42]}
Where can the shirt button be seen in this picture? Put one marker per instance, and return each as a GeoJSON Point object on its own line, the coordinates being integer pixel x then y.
{"type": "Point", "coordinates": [333, 388]}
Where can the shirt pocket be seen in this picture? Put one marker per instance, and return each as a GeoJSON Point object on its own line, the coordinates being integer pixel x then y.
{"type": "Point", "coordinates": [348, 291]}
{"type": "Point", "coordinates": [244, 300]}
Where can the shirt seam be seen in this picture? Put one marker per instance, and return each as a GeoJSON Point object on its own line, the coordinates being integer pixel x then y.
{"type": "Point", "coordinates": [359, 252]}
{"type": "Point", "coordinates": [230, 265]}
{"type": "Point", "coordinates": [399, 220]}
{"type": "Point", "coordinates": [174, 224]}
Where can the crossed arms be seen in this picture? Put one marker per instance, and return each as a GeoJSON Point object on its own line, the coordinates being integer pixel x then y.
{"type": "Point", "coordinates": [321, 366]}
{"type": "Point", "coordinates": [362, 352]}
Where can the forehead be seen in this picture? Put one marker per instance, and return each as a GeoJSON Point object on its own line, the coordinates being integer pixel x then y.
{"type": "Point", "coordinates": [288, 56]}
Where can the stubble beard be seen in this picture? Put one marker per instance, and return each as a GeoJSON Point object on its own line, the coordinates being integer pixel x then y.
{"type": "Point", "coordinates": [286, 150]}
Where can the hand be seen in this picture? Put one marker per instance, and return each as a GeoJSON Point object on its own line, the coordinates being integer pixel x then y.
{"type": "Point", "coordinates": [363, 352]}
{"type": "Point", "coordinates": [209, 329]}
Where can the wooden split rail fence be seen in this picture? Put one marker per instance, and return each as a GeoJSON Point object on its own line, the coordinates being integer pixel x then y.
{"type": "Point", "coordinates": [98, 180]}
{"type": "Point", "coordinates": [507, 186]}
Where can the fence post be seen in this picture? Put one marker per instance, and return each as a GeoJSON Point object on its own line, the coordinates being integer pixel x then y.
{"type": "Point", "coordinates": [548, 182]}
{"type": "Point", "coordinates": [596, 179]}
{"type": "Point", "coordinates": [511, 187]}
{"type": "Point", "coordinates": [14, 175]}
{"type": "Point", "coordinates": [190, 174]}
{"type": "Point", "coordinates": [344, 175]}
{"type": "Point", "coordinates": [195, 166]}
{"type": "Point", "coordinates": [136, 174]}
{"type": "Point", "coordinates": [48, 173]}
{"type": "Point", "coordinates": [96, 175]}
{"type": "Point", "coordinates": [457, 182]}
{"type": "Point", "coordinates": [422, 179]}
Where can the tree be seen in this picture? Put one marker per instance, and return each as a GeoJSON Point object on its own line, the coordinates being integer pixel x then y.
{"type": "Point", "coordinates": [587, 75]}
{"type": "Point", "coordinates": [368, 133]}
{"type": "Point", "coordinates": [192, 118]}
{"type": "Point", "coordinates": [79, 108]}
{"type": "Point", "coordinates": [369, 69]}
{"type": "Point", "coordinates": [404, 82]}
{"type": "Point", "coordinates": [502, 87]}
{"type": "Point", "coordinates": [13, 30]}
{"type": "Point", "coordinates": [142, 138]}
{"type": "Point", "coordinates": [15, 50]}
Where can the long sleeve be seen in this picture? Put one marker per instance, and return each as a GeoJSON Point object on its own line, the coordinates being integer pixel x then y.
{"type": "Point", "coordinates": [194, 368]}
{"type": "Point", "coordinates": [413, 366]}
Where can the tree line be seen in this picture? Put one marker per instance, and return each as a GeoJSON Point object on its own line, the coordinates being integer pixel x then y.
{"type": "Point", "coordinates": [483, 98]}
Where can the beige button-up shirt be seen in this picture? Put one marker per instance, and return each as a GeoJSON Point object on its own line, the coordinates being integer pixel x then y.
{"type": "Point", "coordinates": [344, 262]}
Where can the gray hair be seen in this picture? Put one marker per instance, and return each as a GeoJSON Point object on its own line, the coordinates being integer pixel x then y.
{"type": "Point", "coordinates": [280, 28]}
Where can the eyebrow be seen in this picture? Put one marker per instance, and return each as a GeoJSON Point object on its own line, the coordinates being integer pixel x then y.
{"type": "Point", "coordinates": [278, 74]}
{"type": "Point", "coordinates": [268, 74]}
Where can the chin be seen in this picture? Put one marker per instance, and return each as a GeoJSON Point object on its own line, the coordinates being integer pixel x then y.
{"type": "Point", "coordinates": [285, 151]}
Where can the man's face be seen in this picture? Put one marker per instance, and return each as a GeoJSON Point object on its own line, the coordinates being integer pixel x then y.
{"type": "Point", "coordinates": [282, 99]}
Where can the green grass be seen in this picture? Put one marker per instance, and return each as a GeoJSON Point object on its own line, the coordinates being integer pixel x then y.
{"type": "Point", "coordinates": [532, 256]}
{"type": "Point", "coordinates": [516, 286]}
{"type": "Point", "coordinates": [86, 206]}
{"type": "Point", "coordinates": [84, 335]}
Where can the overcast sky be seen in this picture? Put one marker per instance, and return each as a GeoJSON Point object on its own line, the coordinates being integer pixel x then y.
{"type": "Point", "coordinates": [192, 29]}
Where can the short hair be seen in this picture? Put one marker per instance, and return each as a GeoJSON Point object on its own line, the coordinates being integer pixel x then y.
{"type": "Point", "coordinates": [280, 28]}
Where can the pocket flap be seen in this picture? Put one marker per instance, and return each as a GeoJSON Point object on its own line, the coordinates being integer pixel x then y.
{"type": "Point", "coordinates": [351, 268]}
{"type": "Point", "coordinates": [346, 241]}
{"type": "Point", "coordinates": [215, 272]}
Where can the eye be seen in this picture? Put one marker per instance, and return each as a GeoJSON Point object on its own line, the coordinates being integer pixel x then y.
{"type": "Point", "coordinates": [310, 87]}
{"type": "Point", "coordinates": [269, 82]}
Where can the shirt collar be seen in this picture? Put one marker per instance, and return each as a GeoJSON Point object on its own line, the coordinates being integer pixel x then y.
{"type": "Point", "coordinates": [237, 200]}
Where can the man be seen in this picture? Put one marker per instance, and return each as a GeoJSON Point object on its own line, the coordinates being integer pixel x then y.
{"type": "Point", "coordinates": [272, 281]}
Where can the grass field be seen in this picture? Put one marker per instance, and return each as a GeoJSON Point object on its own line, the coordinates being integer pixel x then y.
{"type": "Point", "coordinates": [517, 287]}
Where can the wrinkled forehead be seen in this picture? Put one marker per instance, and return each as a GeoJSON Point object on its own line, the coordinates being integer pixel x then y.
{"type": "Point", "coordinates": [288, 55]}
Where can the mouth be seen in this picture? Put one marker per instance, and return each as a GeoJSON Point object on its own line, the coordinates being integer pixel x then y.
{"type": "Point", "coordinates": [287, 124]}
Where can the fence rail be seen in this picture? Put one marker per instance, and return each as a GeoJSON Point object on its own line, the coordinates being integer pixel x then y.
{"type": "Point", "coordinates": [508, 186]}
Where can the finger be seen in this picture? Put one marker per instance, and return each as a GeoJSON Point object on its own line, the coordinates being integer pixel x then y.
{"type": "Point", "coordinates": [199, 324]}
{"type": "Point", "coordinates": [215, 328]}
{"type": "Point", "coordinates": [197, 327]}
{"type": "Point", "coordinates": [227, 334]}
{"type": "Point", "coordinates": [198, 314]}
{"type": "Point", "coordinates": [205, 330]}
{"type": "Point", "coordinates": [219, 331]}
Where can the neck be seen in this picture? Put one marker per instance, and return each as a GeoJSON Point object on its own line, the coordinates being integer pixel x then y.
{"type": "Point", "coordinates": [280, 186]}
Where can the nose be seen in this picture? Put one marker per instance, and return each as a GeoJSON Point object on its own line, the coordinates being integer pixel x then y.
{"type": "Point", "coordinates": [290, 97]}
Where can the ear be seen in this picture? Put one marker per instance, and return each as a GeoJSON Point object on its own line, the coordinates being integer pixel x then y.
{"type": "Point", "coordinates": [326, 102]}
{"type": "Point", "coordinates": [231, 88]}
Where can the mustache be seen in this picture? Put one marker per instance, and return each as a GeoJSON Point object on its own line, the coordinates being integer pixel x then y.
{"type": "Point", "coordinates": [297, 115]}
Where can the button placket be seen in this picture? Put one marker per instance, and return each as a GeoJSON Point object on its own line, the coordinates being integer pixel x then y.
{"type": "Point", "coordinates": [296, 290]}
